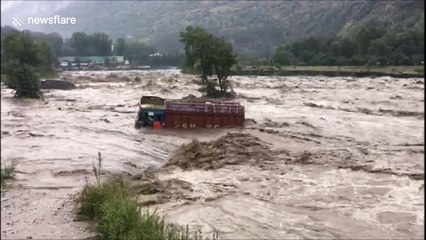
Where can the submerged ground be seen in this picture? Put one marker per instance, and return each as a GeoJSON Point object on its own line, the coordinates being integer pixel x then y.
{"type": "Point", "coordinates": [327, 157]}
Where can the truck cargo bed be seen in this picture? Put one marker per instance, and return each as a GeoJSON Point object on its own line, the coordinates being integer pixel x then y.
{"type": "Point", "coordinates": [191, 114]}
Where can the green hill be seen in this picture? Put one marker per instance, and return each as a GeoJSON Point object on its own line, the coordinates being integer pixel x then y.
{"type": "Point", "coordinates": [252, 26]}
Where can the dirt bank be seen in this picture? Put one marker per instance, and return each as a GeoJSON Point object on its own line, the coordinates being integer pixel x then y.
{"type": "Point", "coordinates": [327, 157]}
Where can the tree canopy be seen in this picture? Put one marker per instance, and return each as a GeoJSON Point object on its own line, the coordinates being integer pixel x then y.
{"type": "Point", "coordinates": [25, 59]}
{"type": "Point", "coordinates": [211, 56]}
{"type": "Point", "coordinates": [365, 46]}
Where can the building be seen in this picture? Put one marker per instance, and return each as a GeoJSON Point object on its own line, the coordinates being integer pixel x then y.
{"type": "Point", "coordinates": [156, 54]}
{"type": "Point", "coordinates": [91, 59]}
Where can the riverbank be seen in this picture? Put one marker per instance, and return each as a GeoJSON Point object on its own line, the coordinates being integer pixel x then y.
{"type": "Point", "coordinates": [335, 71]}
{"type": "Point", "coordinates": [327, 71]}
{"type": "Point", "coordinates": [326, 74]}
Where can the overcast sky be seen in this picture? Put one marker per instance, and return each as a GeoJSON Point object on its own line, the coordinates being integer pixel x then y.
{"type": "Point", "coordinates": [9, 9]}
{"type": "Point", "coordinates": [7, 4]}
{"type": "Point", "coordinates": [15, 7]}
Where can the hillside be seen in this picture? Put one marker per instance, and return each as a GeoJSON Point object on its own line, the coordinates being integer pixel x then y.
{"type": "Point", "coordinates": [254, 26]}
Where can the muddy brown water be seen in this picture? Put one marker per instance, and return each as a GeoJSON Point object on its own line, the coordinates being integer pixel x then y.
{"type": "Point", "coordinates": [364, 138]}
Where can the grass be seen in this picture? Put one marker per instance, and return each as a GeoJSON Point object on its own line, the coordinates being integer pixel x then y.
{"type": "Point", "coordinates": [382, 69]}
{"type": "Point", "coordinates": [419, 70]}
{"type": "Point", "coordinates": [7, 172]}
{"type": "Point", "coordinates": [113, 207]}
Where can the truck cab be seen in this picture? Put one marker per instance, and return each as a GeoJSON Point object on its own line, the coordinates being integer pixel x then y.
{"type": "Point", "coordinates": [151, 112]}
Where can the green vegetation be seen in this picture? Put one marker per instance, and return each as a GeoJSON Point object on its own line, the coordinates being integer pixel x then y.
{"type": "Point", "coordinates": [82, 44]}
{"type": "Point", "coordinates": [365, 46]}
{"type": "Point", "coordinates": [139, 53]}
{"type": "Point", "coordinates": [99, 44]}
{"type": "Point", "coordinates": [3, 78]}
{"type": "Point", "coordinates": [252, 26]}
{"type": "Point", "coordinates": [419, 70]}
{"type": "Point", "coordinates": [118, 216]}
{"type": "Point", "coordinates": [333, 71]}
{"type": "Point", "coordinates": [7, 172]}
{"type": "Point", "coordinates": [169, 59]}
{"type": "Point", "coordinates": [211, 56]}
{"type": "Point", "coordinates": [113, 207]}
{"type": "Point", "coordinates": [23, 61]}
{"type": "Point", "coordinates": [346, 33]}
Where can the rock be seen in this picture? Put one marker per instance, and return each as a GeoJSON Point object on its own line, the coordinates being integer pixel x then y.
{"type": "Point", "coordinates": [56, 84]}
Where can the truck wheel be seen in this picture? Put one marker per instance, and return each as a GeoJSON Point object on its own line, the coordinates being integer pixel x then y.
{"type": "Point", "coordinates": [137, 125]}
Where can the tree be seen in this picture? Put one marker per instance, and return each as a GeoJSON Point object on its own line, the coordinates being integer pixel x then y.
{"type": "Point", "coordinates": [223, 60]}
{"type": "Point", "coordinates": [97, 44]}
{"type": "Point", "coordinates": [282, 57]}
{"type": "Point", "coordinates": [246, 59]}
{"type": "Point", "coordinates": [379, 49]}
{"type": "Point", "coordinates": [211, 55]}
{"type": "Point", "coordinates": [319, 59]}
{"type": "Point", "coordinates": [100, 44]}
{"type": "Point", "coordinates": [23, 60]}
{"type": "Point", "coordinates": [24, 79]}
{"type": "Point", "coordinates": [347, 48]}
{"type": "Point", "coordinates": [120, 48]}
{"type": "Point", "coordinates": [137, 52]}
{"type": "Point", "coordinates": [47, 67]}
{"type": "Point", "coordinates": [79, 42]}
{"type": "Point", "coordinates": [55, 41]}
{"type": "Point", "coordinates": [198, 50]}
{"type": "Point", "coordinates": [365, 35]}
{"type": "Point", "coordinates": [363, 45]}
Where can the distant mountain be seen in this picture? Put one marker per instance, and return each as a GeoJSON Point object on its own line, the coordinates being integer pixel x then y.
{"type": "Point", "coordinates": [252, 26]}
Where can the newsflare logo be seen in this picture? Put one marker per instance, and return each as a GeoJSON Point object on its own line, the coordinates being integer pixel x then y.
{"type": "Point", "coordinates": [18, 20]}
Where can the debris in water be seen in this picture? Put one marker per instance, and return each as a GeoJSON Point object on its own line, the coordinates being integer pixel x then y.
{"type": "Point", "coordinates": [231, 149]}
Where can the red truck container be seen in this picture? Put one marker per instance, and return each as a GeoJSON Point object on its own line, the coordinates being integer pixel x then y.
{"type": "Point", "coordinates": [203, 114]}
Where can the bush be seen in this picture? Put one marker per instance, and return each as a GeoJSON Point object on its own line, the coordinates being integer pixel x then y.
{"type": "Point", "coordinates": [22, 59]}
{"type": "Point", "coordinates": [93, 196]}
{"type": "Point", "coordinates": [112, 206]}
{"type": "Point", "coordinates": [7, 172]}
{"type": "Point", "coordinates": [24, 80]}
{"type": "Point", "coordinates": [209, 89]}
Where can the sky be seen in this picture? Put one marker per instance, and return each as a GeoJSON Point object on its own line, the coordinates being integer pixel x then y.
{"type": "Point", "coordinates": [9, 9]}
{"type": "Point", "coordinates": [7, 4]}
{"type": "Point", "coordinates": [34, 7]}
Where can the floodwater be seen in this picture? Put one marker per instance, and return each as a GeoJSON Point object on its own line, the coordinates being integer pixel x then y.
{"type": "Point", "coordinates": [364, 138]}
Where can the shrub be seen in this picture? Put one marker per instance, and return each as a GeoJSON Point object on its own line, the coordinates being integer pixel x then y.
{"type": "Point", "coordinates": [93, 196]}
{"type": "Point", "coordinates": [7, 172]}
{"type": "Point", "coordinates": [112, 205]}
{"type": "Point", "coordinates": [23, 58]}
{"type": "Point", "coordinates": [24, 80]}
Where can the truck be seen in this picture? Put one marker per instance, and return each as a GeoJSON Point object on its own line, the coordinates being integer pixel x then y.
{"type": "Point", "coordinates": [157, 112]}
